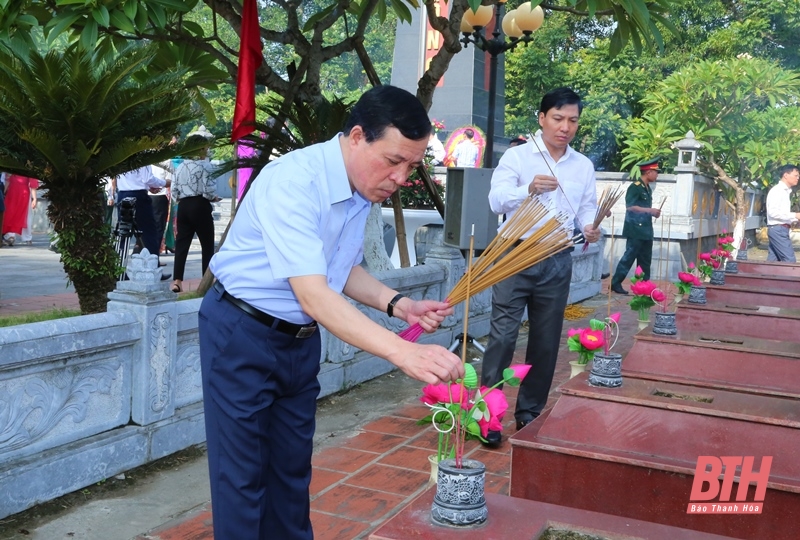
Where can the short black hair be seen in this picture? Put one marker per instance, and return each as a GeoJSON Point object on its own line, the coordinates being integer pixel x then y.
{"type": "Point", "coordinates": [787, 169]}
{"type": "Point", "coordinates": [555, 99]}
{"type": "Point", "coordinates": [469, 133]}
{"type": "Point", "coordinates": [389, 106]}
{"type": "Point", "coordinates": [517, 141]}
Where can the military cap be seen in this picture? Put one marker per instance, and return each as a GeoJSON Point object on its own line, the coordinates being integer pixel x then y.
{"type": "Point", "coordinates": [651, 165]}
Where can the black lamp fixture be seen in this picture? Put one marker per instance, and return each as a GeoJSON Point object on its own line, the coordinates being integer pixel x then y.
{"type": "Point", "coordinates": [518, 24]}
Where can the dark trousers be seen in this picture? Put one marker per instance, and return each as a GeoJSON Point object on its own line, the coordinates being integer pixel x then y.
{"type": "Point", "coordinates": [780, 244]}
{"type": "Point", "coordinates": [637, 250]}
{"type": "Point", "coordinates": [259, 393]}
{"type": "Point", "coordinates": [543, 289]}
{"type": "Point", "coordinates": [194, 216]}
{"type": "Point", "coordinates": [160, 213]}
{"type": "Point", "coordinates": [144, 218]}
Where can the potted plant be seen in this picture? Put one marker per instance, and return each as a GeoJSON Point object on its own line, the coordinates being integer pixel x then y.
{"type": "Point", "coordinates": [585, 341]}
{"type": "Point", "coordinates": [459, 411]}
{"type": "Point", "coordinates": [645, 295]}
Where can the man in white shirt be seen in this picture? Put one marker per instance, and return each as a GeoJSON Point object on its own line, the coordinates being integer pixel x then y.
{"type": "Point", "coordinates": [780, 216]}
{"type": "Point", "coordinates": [524, 171]}
{"type": "Point", "coordinates": [137, 183]}
{"type": "Point", "coordinates": [466, 152]}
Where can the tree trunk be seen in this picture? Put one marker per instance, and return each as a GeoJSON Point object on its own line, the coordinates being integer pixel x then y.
{"type": "Point", "coordinates": [740, 214]}
{"type": "Point", "coordinates": [84, 240]}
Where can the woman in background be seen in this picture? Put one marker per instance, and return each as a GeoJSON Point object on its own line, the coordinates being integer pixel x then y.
{"type": "Point", "coordinates": [20, 200]}
{"type": "Point", "coordinates": [194, 189]}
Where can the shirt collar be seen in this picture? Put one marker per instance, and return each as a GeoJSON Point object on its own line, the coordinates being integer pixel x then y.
{"type": "Point", "coordinates": [335, 171]}
{"type": "Point", "coordinates": [539, 148]}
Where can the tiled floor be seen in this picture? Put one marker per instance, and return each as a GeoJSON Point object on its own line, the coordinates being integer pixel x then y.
{"type": "Point", "coordinates": [360, 483]}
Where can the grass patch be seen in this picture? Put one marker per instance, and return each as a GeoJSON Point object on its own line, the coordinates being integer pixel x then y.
{"type": "Point", "coordinates": [57, 313]}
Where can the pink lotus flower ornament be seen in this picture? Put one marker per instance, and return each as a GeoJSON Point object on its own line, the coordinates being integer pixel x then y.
{"type": "Point", "coordinates": [592, 339]}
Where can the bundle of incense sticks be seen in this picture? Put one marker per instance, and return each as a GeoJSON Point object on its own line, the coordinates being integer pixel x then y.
{"type": "Point", "coordinates": [507, 254]}
{"type": "Point", "coordinates": [607, 200]}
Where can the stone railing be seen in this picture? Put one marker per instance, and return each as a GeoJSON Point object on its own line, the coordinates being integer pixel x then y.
{"type": "Point", "coordinates": [85, 398]}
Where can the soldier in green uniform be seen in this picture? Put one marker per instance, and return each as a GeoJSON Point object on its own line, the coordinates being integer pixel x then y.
{"type": "Point", "coordinates": [638, 228]}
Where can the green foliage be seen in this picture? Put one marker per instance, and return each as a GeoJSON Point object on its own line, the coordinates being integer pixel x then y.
{"type": "Point", "coordinates": [59, 313]}
{"type": "Point", "coordinates": [743, 108]}
{"type": "Point", "coordinates": [70, 118]}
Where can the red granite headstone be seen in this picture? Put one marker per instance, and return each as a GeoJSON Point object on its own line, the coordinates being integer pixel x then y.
{"type": "Point", "coordinates": [520, 519]}
{"type": "Point", "coordinates": [765, 281]}
{"type": "Point", "coordinates": [741, 320]}
{"type": "Point", "coordinates": [747, 295]}
{"type": "Point", "coordinates": [769, 268]}
{"type": "Point", "coordinates": [632, 451]}
{"type": "Point", "coordinates": [708, 358]}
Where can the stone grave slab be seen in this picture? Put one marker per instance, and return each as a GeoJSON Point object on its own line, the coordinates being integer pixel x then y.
{"type": "Point", "coordinates": [632, 451]}
{"type": "Point", "coordinates": [708, 358]}
{"type": "Point", "coordinates": [765, 281]}
{"type": "Point", "coordinates": [733, 319]}
{"type": "Point", "coordinates": [770, 268]}
{"type": "Point", "coordinates": [749, 295]}
{"type": "Point", "coordinates": [520, 519]}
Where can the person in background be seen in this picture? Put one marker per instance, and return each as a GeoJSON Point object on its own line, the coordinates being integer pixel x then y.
{"type": "Point", "coordinates": [2, 203]}
{"type": "Point", "coordinates": [160, 200]}
{"type": "Point", "coordinates": [638, 227]}
{"type": "Point", "coordinates": [436, 149]}
{"type": "Point", "coordinates": [20, 201]}
{"type": "Point", "coordinates": [466, 152]}
{"type": "Point", "coordinates": [136, 184]}
{"type": "Point", "coordinates": [193, 190]}
{"type": "Point", "coordinates": [780, 216]}
{"type": "Point", "coordinates": [293, 248]}
{"type": "Point", "coordinates": [524, 171]}
{"type": "Point", "coordinates": [516, 141]}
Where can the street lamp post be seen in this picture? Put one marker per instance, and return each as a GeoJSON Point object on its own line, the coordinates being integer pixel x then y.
{"type": "Point", "coordinates": [518, 25]}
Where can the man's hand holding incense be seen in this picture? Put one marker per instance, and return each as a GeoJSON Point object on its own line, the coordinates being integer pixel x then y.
{"type": "Point", "coordinates": [429, 314]}
{"type": "Point", "coordinates": [592, 234]}
{"type": "Point", "coordinates": [432, 364]}
{"type": "Point", "coordinates": [542, 183]}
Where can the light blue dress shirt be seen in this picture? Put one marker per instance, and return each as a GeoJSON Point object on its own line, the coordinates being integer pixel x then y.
{"type": "Point", "coordinates": [299, 218]}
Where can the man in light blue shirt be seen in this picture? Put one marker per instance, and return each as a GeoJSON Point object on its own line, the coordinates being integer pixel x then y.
{"type": "Point", "coordinates": [293, 247]}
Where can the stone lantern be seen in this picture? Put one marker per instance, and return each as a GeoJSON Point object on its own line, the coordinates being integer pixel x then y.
{"type": "Point", "coordinates": [687, 153]}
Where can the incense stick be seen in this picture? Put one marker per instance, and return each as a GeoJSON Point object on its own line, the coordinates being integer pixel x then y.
{"type": "Point", "coordinates": [466, 300]}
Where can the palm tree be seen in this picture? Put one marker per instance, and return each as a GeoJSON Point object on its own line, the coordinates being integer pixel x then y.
{"type": "Point", "coordinates": [71, 118]}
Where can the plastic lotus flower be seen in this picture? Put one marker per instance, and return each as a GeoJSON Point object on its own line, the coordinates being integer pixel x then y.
{"type": "Point", "coordinates": [438, 125]}
{"type": "Point", "coordinates": [686, 280]}
{"type": "Point", "coordinates": [645, 293]}
{"type": "Point", "coordinates": [585, 341]}
{"type": "Point", "coordinates": [463, 410]}
{"type": "Point", "coordinates": [726, 242]}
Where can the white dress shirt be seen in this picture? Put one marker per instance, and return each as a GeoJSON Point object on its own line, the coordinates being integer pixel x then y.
{"type": "Point", "coordinates": [466, 154]}
{"type": "Point", "coordinates": [575, 174]}
{"type": "Point", "coordinates": [139, 179]}
{"type": "Point", "coordinates": [779, 207]}
{"type": "Point", "coordinates": [299, 218]}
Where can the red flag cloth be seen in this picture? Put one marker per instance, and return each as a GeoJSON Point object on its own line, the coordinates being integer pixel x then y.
{"type": "Point", "coordinates": [250, 58]}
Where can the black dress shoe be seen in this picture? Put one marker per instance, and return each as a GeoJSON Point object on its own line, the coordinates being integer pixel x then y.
{"type": "Point", "coordinates": [604, 276]}
{"type": "Point", "coordinates": [493, 439]}
{"type": "Point", "coordinates": [522, 423]}
{"type": "Point", "coordinates": [165, 277]}
{"type": "Point", "coordinates": [618, 289]}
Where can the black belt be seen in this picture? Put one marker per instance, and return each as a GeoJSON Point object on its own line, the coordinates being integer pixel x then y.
{"type": "Point", "coordinates": [781, 225]}
{"type": "Point", "coordinates": [297, 330]}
